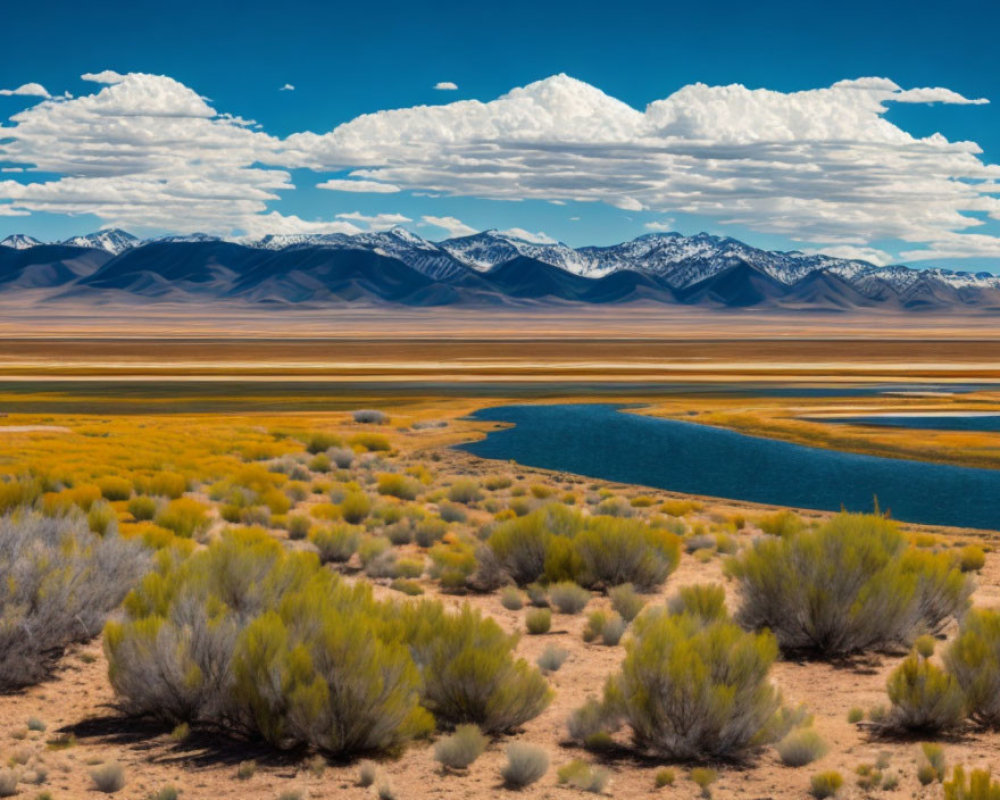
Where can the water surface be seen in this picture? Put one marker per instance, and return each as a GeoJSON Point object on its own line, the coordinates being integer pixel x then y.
{"type": "Point", "coordinates": [598, 440]}
{"type": "Point", "coordinates": [938, 422]}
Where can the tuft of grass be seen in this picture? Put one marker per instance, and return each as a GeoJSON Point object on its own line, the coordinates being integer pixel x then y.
{"type": "Point", "coordinates": [552, 658]}
{"type": "Point", "coordinates": [525, 765]}
{"type": "Point", "coordinates": [568, 597]}
{"type": "Point", "coordinates": [626, 601]}
{"type": "Point", "coordinates": [367, 773]}
{"type": "Point", "coordinates": [703, 778]}
{"type": "Point", "coordinates": [108, 778]}
{"type": "Point", "coordinates": [246, 770]}
{"type": "Point", "coordinates": [462, 748]}
{"type": "Point", "coordinates": [581, 775]}
{"type": "Point", "coordinates": [664, 777]}
{"type": "Point", "coordinates": [511, 598]}
{"type": "Point", "coordinates": [801, 747]}
{"type": "Point", "coordinates": [855, 715]}
{"type": "Point", "coordinates": [538, 621]}
{"type": "Point", "coordinates": [825, 784]}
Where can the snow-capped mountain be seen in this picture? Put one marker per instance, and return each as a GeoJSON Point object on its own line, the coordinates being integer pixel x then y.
{"type": "Point", "coordinates": [113, 241]}
{"type": "Point", "coordinates": [19, 241]}
{"type": "Point", "coordinates": [489, 267]}
{"type": "Point", "coordinates": [425, 257]}
{"type": "Point", "coordinates": [483, 251]}
{"type": "Point", "coordinates": [186, 238]}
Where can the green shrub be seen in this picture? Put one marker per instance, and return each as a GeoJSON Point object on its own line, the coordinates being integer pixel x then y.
{"type": "Point", "coordinates": [568, 597]}
{"type": "Point", "coordinates": [800, 747]}
{"type": "Point", "coordinates": [298, 527]}
{"type": "Point", "coordinates": [9, 779]}
{"type": "Point", "coordinates": [337, 543]}
{"type": "Point", "coordinates": [142, 507]}
{"type": "Point", "coordinates": [525, 765]}
{"type": "Point", "coordinates": [250, 638]}
{"type": "Point", "coordinates": [245, 770]}
{"type": "Point", "coordinates": [974, 660]}
{"type": "Point", "coordinates": [850, 585]}
{"type": "Point", "coordinates": [589, 720]}
{"type": "Point", "coordinates": [925, 645]}
{"type": "Point", "coordinates": [855, 715]}
{"type": "Point", "coordinates": [396, 485]}
{"type": "Point", "coordinates": [101, 518]}
{"type": "Point", "coordinates": [703, 777]}
{"type": "Point", "coordinates": [924, 698]}
{"type": "Point", "coordinates": [407, 587]}
{"type": "Point", "coordinates": [537, 595]}
{"type": "Point", "coordinates": [522, 545]}
{"type": "Point", "coordinates": [706, 602]}
{"type": "Point", "coordinates": [538, 620]}
{"type": "Point", "coordinates": [367, 773]}
{"type": "Point", "coordinates": [694, 690]}
{"type": "Point", "coordinates": [320, 442]}
{"type": "Point", "coordinates": [626, 601]}
{"type": "Point", "coordinates": [355, 507]}
{"type": "Point", "coordinates": [184, 516]}
{"type": "Point", "coordinates": [825, 784]}
{"type": "Point", "coordinates": [552, 658]}
{"type": "Point", "coordinates": [430, 531]}
{"type": "Point", "coordinates": [60, 581]}
{"type": "Point", "coordinates": [114, 488]}
{"type": "Point", "coordinates": [781, 523]}
{"type": "Point", "coordinates": [512, 599]}
{"type": "Point", "coordinates": [460, 749]}
{"type": "Point", "coordinates": [614, 551]}
{"type": "Point", "coordinates": [470, 673]}
{"type": "Point", "coordinates": [580, 775]}
{"type": "Point", "coordinates": [980, 785]}
{"type": "Point", "coordinates": [613, 630]}
{"type": "Point", "coordinates": [465, 491]}
{"type": "Point", "coordinates": [372, 442]}
{"type": "Point", "coordinates": [108, 778]}
{"type": "Point", "coordinates": [453, 563]}
{"type": "Point", "coordinates": [664, 777]}
{"type": "Point", "coordinates": [934, 758]}
{"type": "Point", "coordinates": [971, 558]}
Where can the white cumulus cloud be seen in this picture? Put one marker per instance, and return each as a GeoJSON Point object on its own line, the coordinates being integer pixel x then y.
{"type": "Point", "coordinates": [823, 166]}
{"type": "Point", "coordinates": [287, 88]}
{"type": "Point", "coordinates": [454, 227]}
{"type": "Point", "coordinates": [27, 90]}
{"type": "Point", "coordinates": [446, 86]}
{"type": "Point", "coordinates": [106, 76]}
{"type": "Point", "coordinates": [373, 187]}
{"type": "Point", "coordinates": [528, 236]}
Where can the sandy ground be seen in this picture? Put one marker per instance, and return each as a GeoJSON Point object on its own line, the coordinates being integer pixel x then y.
{"type": "Point", "coordinates": [77, 701]}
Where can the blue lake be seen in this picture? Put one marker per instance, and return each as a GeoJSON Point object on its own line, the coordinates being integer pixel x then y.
{"type": "Point", "coordinates": [600, 441]}
{"type": "Point", "coordinates": [951, 422]}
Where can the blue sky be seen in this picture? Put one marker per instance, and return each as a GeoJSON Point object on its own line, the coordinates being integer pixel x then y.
{"type": "Point", "coordinates": [848, 185]}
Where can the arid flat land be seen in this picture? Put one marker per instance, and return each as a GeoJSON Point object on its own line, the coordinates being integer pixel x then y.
{"type": "Point", "coordinates": [79, 410]}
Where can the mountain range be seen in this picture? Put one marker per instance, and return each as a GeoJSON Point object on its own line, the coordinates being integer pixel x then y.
{"type": "Point", "coordinates": [487, 269]}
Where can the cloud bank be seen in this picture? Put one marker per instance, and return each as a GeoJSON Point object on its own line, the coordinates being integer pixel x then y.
{"type": "Point", "coordinates": [821, 166]}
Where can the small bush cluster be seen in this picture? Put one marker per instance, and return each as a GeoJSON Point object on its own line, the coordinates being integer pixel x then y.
{"type": "Point", "coordinates": [557, 544]}
{"type": "Point", "coordinates": [525, 765]}
{"type": "Point", "coordinates": [928, 699]}
{"type": "Point", "coordinates": [460, 749]}
{"type": "Point", "coordinates": [690, 688]}
{"type": "Point", "coordinates": [251, 639]}
{"type": "Point", "coordinates": [979, 785]}
{"type": "Point", "coordinates": [60, 581]}
{"type": "Point", "coordinates": [850, 585]}
{"type": "Point", "coordinates": [580, 775]}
